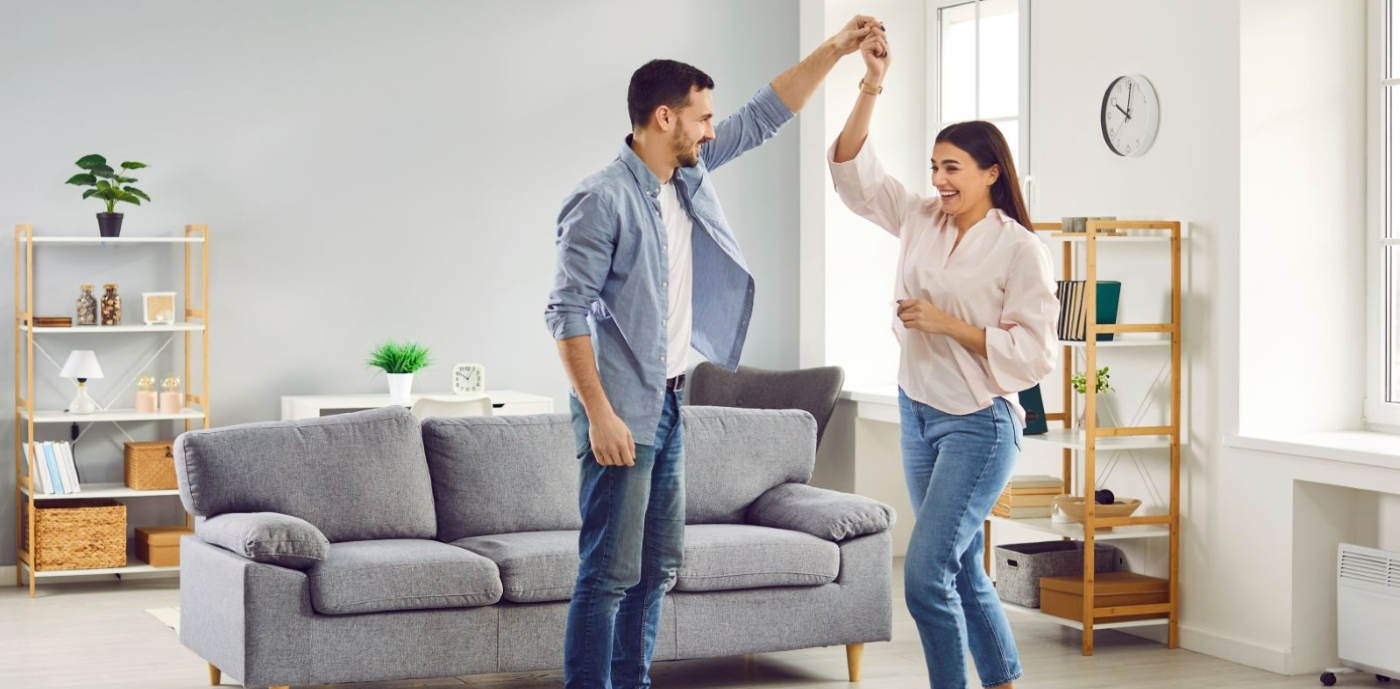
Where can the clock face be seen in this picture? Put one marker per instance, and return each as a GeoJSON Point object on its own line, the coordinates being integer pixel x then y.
{"type": "Point", "coordinates": [1128, 118]}
{"type": "Point", "coordinates": [468, 378]}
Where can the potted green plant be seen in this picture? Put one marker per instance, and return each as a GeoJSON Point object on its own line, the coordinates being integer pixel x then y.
{"type": "Point", "coordinates": [399, 361]}
{"type": "Point", "coordinates": [1080, 382]}
{"type": "Point", "coordinates": [111, 186]}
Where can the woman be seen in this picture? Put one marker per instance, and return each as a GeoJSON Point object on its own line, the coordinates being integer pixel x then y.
{"type": "Point", "coordinates": [975, 321]}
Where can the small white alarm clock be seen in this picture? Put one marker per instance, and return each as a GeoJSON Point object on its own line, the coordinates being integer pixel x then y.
{"type": "Point", "coordinates": [467, 378]}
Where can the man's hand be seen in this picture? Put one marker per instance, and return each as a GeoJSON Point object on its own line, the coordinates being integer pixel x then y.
{"type": "Point", "coordinates": [918, 314]}
{"type": "Point", "coordinates": [611, 440]}
{"type": "Point", "coordinates": [875, 50]}
{"type": "Point", "coordinates": [847, 40]}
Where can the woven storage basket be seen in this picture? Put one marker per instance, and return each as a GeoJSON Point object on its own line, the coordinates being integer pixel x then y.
{"type": "Point", "coordinates": [150, 466]}
{"type": "Point", "coordinates": [77, 534]}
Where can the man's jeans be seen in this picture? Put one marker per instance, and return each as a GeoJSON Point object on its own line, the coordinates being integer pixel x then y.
{"type": "Point", "coordinates": [631, 545]}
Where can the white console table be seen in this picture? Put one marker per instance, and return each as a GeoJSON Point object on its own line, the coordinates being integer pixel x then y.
{"type": "Point", "coordinates": [506, 403]}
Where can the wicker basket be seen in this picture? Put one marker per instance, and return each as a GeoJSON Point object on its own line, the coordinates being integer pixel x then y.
{"type": "Point", "coordinates": [150, 466]}
{"type": "Point", "coordinates": [77, 534]}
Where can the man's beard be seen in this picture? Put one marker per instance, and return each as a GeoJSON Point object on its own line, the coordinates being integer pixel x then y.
{"type": "Point", "coordinates": [685, 153]}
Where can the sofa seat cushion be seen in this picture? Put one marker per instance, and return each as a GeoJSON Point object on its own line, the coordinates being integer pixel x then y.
{"type": "Point", "coordinates": [401, 574]}
{"type": "Point", "coordinates": [541, 566]}
{"type": "Point", "coordinates": [536, 566]}
{"type": "Point", "coordinates": [726, 557]}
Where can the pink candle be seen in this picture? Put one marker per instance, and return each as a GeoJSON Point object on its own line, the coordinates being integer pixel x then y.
{"type": "Point", "coordinates": [171, 402]}
{"type": "Point", "coordinates": [145, 401]}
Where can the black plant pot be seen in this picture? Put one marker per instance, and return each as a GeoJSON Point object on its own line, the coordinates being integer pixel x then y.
{"type": "Point", "coordinates": [109, 224]}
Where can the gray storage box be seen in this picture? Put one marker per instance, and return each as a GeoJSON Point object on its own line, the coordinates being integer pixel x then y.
{"type": "Point", "coordinates": [1021, 565]}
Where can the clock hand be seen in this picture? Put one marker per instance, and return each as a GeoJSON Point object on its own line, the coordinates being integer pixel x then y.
{"type": "Point", "coordinates": [1125, 112]}
{"type": "Point", "coordinates": [1130, 99]}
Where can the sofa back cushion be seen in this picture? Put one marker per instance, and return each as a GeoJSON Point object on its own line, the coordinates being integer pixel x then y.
{"type": "Point", "coordinates": [733, 455]}
{"type": "Point", "coordinates": [502, 474]}
{"type": "Point", "coordinates": [356, 476]}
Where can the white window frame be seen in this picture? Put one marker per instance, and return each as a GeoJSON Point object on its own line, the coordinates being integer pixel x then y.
{"type": "Point", "coordinates": [1380, 414]}
{"type": "Point", "coordinates": [934, 49]}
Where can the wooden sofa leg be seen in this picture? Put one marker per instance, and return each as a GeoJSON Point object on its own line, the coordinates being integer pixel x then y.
{"type": "Point", "coordinates": [854, 653]}
{"type": "Point", "coordinates": [215, 676]}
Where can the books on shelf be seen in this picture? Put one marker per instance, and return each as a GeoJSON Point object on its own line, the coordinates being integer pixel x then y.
{"type": "Point", "coordinates": [1028, 497]}
{"type": "Point", "coordinates": [1074, 316]}
{"type": "Point", "coordinates": [55, 472]}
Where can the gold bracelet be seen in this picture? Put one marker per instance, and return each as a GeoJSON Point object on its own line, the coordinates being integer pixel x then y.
{"type": "Point", "coordinates": [866, 88]}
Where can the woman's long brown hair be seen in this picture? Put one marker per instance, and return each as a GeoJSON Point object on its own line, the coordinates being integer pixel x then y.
{"type": "Point", "coordinates": [984, 142]}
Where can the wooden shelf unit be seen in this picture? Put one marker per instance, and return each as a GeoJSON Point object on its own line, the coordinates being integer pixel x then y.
{"type": "Point", "coordinates": [195, 322]}
{"type": "Point", "coordinates": [1112, 439]}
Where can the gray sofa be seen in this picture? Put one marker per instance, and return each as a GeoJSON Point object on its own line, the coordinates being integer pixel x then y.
{"type": "Point", "coordinates": [366, 546]}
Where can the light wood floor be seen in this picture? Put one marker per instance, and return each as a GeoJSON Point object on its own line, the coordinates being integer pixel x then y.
{"type": "Point", "coordinates": [99, 635]}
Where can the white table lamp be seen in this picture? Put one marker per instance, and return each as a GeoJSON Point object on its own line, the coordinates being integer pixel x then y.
{"type": "Point", "coordinates": [81, 365]}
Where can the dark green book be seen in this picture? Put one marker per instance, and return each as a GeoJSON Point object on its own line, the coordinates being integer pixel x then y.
{"type": "Point", "coordinates": [1035, 411]}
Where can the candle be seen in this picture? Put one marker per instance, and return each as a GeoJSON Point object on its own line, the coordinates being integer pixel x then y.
{"type": "Point", "coordinates": [171, 402]}
{"type": "Point", "coordinates": [145, 401]}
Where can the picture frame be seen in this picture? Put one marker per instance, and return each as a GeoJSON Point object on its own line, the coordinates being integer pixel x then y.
{"type": "Point", "coordinates": [158, 308]}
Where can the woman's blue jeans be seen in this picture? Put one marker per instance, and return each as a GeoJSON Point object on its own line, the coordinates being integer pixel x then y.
{"type": "Point", "coordinates": [956, 467]}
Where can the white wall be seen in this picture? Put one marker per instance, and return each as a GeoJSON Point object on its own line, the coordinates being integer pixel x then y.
{"type": "Point", "coordinates": [1302, 214]}
{"type": "Point", "coordinates": [857, 258]}
{"type": "Point", "coordinates": [1301, 301]}
{"type": "Point", "coordinates": [367, 170]}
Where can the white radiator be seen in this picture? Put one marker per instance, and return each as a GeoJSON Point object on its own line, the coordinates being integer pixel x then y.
{"type": "Point", "coordinates": [1368, 609]}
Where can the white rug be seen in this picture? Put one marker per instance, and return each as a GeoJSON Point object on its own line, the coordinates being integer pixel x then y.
{"type": "Point", "coordinates": [170, 617]}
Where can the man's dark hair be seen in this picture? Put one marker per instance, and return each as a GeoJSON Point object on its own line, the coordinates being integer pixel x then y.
{"type": "Point", "coordinates": [662, 82]}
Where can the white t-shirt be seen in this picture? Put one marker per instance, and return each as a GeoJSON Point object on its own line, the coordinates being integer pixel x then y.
{"type": "Point", "coordinates": [678, 284]}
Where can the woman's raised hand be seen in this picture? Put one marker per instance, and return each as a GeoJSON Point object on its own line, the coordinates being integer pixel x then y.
{"type": "Point", "coordinates": [875, 50]}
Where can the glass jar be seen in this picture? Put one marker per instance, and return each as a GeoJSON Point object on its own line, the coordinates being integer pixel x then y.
{"type": "Point", "coordinates": [146, 396]}
{"type": "Point", "coordinates": [87, 306]}
{"type": "Point", "coordinates": [171, 400]}
{"type": "Point", "coordinates": [111, 305]}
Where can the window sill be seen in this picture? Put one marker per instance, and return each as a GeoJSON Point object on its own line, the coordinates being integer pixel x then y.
{"type": "Point", "coordinates": [1368, 448]}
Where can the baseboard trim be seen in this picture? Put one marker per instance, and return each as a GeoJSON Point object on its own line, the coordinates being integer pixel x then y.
{"type": "Point", "coordinates": [1276, 660]}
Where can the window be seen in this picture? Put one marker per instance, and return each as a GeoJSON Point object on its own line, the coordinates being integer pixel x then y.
{"type": "Point", "coordinates": [979, 60]}
{"type": "Point", "coordinates": [1383, 390]}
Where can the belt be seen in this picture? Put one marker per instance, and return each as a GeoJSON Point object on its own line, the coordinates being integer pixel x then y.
{"type": "Point", "coordinates": [676, 384]}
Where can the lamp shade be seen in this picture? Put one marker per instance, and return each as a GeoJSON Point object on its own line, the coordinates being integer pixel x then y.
{"type": "Point", "coordinates": [82, 363]}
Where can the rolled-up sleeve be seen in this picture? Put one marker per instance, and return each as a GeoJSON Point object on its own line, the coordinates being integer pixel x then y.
{"type": "Point", "coordinates": [754, 123]}
{"type": "Point", "coordinates": [587, 234]}
{"type": "Point", "coordinates": [1021, 349]}
{"type": "Point", "coordinates": [869, 191]}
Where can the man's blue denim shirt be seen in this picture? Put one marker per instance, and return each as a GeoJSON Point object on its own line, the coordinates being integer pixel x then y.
{"type": "Point", "coordinates": [610, 281]}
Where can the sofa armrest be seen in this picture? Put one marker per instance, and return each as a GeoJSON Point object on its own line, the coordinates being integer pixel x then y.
{"type": "Point", "coordinates": [251, 620]}
{"type": "Point", "coordinates": [823, 513]}
{"type": "Point", "coordinates": [266, 537]}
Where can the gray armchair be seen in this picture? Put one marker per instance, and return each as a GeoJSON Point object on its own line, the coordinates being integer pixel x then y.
{"type": "Point", "coordinates": [813, 390]}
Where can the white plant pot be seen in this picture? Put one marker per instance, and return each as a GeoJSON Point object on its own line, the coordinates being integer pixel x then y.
{"type": "Point", "coordinates": [400, 388]}
{"type": "Point", "coordinates": [1083, 429]}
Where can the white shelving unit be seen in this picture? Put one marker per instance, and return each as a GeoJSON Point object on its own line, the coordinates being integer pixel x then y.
{"type": "Point", "coordinates": [1075, 532]}
{"type": "Point", "coordinates": [195, 325]}
{"type": "Point", "coordinates": [104, 490]}
{"type": "Point", "coordinates": [106, 329]}
{"type": "Point", "coordinates": [111, 415]}
{"type": "Point", "coordinates": [1074, 624]}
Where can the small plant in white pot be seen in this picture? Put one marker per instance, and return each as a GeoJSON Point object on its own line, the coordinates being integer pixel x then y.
{"type": "Point", "coordinates": [399, 361]}
{"type": "Point", "coordinates": [1081, 386]}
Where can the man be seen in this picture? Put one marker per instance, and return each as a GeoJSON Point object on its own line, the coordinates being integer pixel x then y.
{"type": "Point", "coordinates": [635, 241]}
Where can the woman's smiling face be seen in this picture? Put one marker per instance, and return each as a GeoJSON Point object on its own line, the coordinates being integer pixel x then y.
{"type": "Point", "coordinates": [961, 184]}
